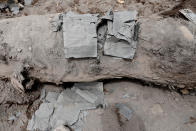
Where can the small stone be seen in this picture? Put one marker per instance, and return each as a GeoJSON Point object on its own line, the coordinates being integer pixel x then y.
{"type": "Point", "coordinates": [184, 92]}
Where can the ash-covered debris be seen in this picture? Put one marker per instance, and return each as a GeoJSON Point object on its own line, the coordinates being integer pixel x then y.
{"type": "Point", "coordinates": [80, 38]}
{"type": "Point", "coordinates": [120, 41]}
{"type": "Point", "coordinates": [68, 107]}
{"type": "Point", "coordinates": [116, 32]}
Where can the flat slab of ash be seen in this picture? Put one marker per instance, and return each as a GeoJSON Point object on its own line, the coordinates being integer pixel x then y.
{"type": "Point", "coordinates": [120, 40]}
{"type": "Point", "coordinates": [80, 37]}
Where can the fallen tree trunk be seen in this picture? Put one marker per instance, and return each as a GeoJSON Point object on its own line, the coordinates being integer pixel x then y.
{"type": "Point", "coordinates": [165, 54]}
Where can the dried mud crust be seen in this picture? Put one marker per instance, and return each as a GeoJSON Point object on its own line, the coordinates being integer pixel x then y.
{"type": "Point", "coordinates": [41, 7]}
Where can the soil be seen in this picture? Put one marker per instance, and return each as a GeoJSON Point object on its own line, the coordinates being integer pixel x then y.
{"type": "Point", "coordinates": [154, 109]}
{"type": "Point", "coordinates": [144, 7]}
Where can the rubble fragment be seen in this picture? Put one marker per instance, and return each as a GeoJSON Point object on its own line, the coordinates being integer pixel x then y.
{"type": "Point", "coordinates": [123, 24]}
{"type": "Point", "coordinates": [189, 14]}
{"type": "Point", "coordinates": [68, 107]}
{"type": "Point", "coordinates": [80, 37]}
{"type": "Point", "coordinates": [121, 41]}
{"type": "Point", "coordinates": [119, 48]}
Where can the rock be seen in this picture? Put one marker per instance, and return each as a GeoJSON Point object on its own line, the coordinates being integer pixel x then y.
{"type": "Point", "coordinates": [79, 32]}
